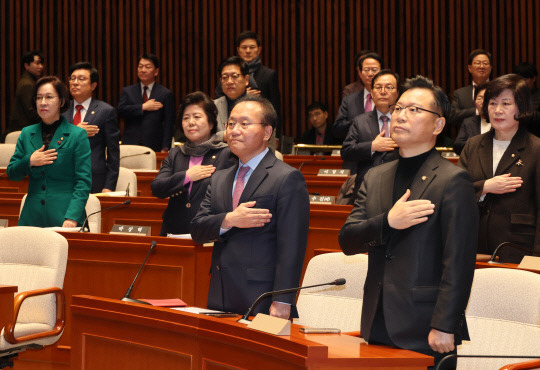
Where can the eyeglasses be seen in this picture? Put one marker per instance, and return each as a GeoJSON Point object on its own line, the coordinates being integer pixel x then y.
{"type": "Point", "coordinates": [388, 88]}
{"type": "Point", "coordinates": [479, 63]}
{"type": "Point", "coordinates": [81, 79]}
{"type": "Point", "coordinates": [410, 111]}
{"type": "Point", "coordinates": [234, 76]}
{"type": "Point", "coordinates": [48, 98]}
{"type": "Point", "coordinates": [374, 70]}
{"type": "Point", "coordinates": [244, 125]}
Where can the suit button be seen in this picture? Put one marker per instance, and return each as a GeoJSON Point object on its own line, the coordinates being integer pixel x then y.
{"type": "Point", "coordinates": [42, 187]}
{"type": "Point", "coordinates": [43, 201]}
{"type": "Point", "coordinates": [188, 205]}
{"type": "Point", "coordinates": [217, 267]}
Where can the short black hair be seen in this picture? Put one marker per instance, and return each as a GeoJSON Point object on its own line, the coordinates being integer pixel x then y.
{"type": "Point", "coordinates": [478, 89]}
{"type": "Point", "coordinates": [420, 82]}
{"type": "Point", "coordinates": [202, 100]}
{"type": "Point", "coordinates": [526, 70]}
{"type": "Point", "coordinates": [370, 55]}
{"type": "Point", "coordinates": [247, 35]}
{"type": "Point", "coordinates": [477, 52]}
{"type": "Point", "coordinates": [94, 75]}
{"type": "Point", "coordinates": [316, 105]}
{"type": "Point", "coordinates": [517, 85]}
{"type": "Point", "coordinates": [269, 113]}
{"type": "Point", "coordinates": [236, 60]}
{"type": "Point", "coordinates": [359, 55]}
{"type": "Point", "coordinates": [28, 57]}
{"type": "Point", "coordinates": [151, 57]}
{"type": "Point", "coordinates": [60, 87]}
{"type": "Point", "coordinates": [383, 72]}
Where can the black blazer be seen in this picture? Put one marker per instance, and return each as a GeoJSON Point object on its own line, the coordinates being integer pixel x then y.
{"type": "Point", "coordinates": [153, 129]}
{"type": "Point", "coordinates": [251, 261]}
{"type": "Point", "coordinates": [104, 145]}
{"type": "Point", "coordinates": [310, 136]}
{"type": "Point", "coordinates": [462, 105]}
{"type": "Point", "coordinates": [351, 106]}
{"type": "Point", "coordinates": [469, 128]}
{"type": "Point", "coordinates": [426, 283]}
{"type": "Point", "coordinates": [514, 216]}
{"type": "Point", "coordinates": [169, 183]}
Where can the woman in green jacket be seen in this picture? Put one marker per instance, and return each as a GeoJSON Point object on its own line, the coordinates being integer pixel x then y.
{"type": "Point", "coordinates": [56, 156]}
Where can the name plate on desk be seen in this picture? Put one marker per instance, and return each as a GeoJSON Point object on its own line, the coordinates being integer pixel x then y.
{"type": "Point", "coordinates": [270, 324]}
{"type": "Point", "coordinates": [334, 172]}
{"type": "Point", "coordinates": [131, 230]}
{"type": "Point", "coordinates": [322, 199]}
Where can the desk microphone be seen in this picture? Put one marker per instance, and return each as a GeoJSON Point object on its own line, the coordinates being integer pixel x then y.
{"type": "Point", "coordinates": [453, 355]}
{"type": "Point", "coordinates": [310, 161]}
{"type": "Point", "coordinates": [245, 318]}
{"type": "Point", "coordinates": [507, 244]}
{"type": "Point", "coordinates": [135, 155]}
{"type": "Point", "coordinates": [85, 227]}
{"type": "Point", "coordinates": [128, 293]}
{"type": "Point", "coordinates": [127, 190]}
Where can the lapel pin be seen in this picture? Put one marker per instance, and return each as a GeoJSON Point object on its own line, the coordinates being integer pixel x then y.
{"type": "Point", "coordinates": [513, 155]}
{"type": "Point", "coordinates": [62, 138]}
{"type": "Point", "coordinates": [213, 157]}
{"type": "Point", "coordinates": [58, 142]}
{"type": "Point", "coordinates": [92, 112]}
{"type": "Point", "coordinates": [520, 163]}
{"type": "Point", "coordinates": [424, 178]}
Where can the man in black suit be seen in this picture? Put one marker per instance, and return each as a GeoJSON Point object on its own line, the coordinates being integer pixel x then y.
{"type": "Point", "coordinates": [263, 81]}
{"type": "Point", "coordinates": [417, 219]}
{"type": "Point", "coordinates": [257, 214]}
{"type": "Point", "coordinates": [320, 132]}
{"type": "Point", "coordinates": [368, 142]}
{"type": "Point", "coordinates": [462, 101]}
{"type": "Point", "coordinates": [148, 108]}
{"type": "Point", "coordinates": [100, 122]}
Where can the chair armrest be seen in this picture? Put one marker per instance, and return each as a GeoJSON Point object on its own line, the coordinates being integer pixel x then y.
{"type": "Point", "coordinates": [9, 332]}
{"type": "Point", "coordinates": [534, 364]}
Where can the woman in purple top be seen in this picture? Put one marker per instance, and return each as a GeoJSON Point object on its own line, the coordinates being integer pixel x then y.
{"type": "Point", "coordinates": [186, 172]}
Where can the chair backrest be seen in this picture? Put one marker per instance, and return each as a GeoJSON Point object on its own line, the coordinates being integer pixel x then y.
{"type": "Point", "coordinates": [127, 177]}
{"type": "Point", "coordinates": [503, 316]}
{"type": "Point", "coordinates": [6, 152]}
{"type": "Point", "coordinates": [12, 137]}
{"type": "Point", "coordinates": [135, 157]}
{"type": "Point", "coordinates": [92, 205]}
{"type": "Point", "coordinates": [33, 258]}
{"type": "Point", "coordinates": [333, 306]}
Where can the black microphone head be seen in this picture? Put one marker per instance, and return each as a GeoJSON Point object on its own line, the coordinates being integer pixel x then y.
{"type": "Point", "coordinates": [340, 281]}
{"type": "Point", "coordinates": [153, 244]}
{"type": "Point", "coordinates": [127, 202]}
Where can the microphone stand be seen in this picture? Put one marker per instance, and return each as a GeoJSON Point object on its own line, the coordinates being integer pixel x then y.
{"type": "Point", "coordinates": [85, 227]}
{"type": "Point", "coordinates": [507, 244]}
{"type": "Point", "coordinates": [128, 293]}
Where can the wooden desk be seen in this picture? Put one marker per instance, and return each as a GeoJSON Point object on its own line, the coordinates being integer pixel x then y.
{"type": "Point", "coordinates": [9, 186]}
{"type": "Point", "coordinates": [144, 179]}
{"type": "Point", "coordinates": [7, 295]}
{"type": "Point", "coordinates": [483, 265]}
{"type": "Point", "coordinates": [159, 159]}
{"type": "Point", "coordinates": [313, 163]}
{"type": "Point", "coordinates": [116, 335]}
{"type": "Point", "coordinates": [105, 265]}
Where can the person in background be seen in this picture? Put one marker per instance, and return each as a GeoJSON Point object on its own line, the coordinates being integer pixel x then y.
{"type": "Point", "coordinates": [474, 125]}
{"type": "Point", "coordinates": [186, 171]}
{"type": "Point", "coordinates": [504, 164]}
{"type": "Point", "coordinates": [357, 85]}
{"type": "Point", "coordinates": [55, 155]}
{"type": "Point", "coordinates": [320, 132]}
{"type": "Point", "coordinates": [529, 72]}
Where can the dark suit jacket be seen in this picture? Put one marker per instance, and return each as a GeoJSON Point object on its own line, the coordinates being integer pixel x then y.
{"type": "Point", "coordinates": [469, 128]}
{"type": "Point", "coordinates": [357, 146]}
{"type": "Point", "coordinates": [427, 281]}
{"type": "Point", "coordinates": [169, 183]}
{"type": "Point", "coordinates": [351, 106]}
{"type": "Point", "coordinates": [462, 105]}
{"type": "Point", "coordinates": [153, 129]}
{"type": "Point", "coordinates": [514, 216]}
{"type": "Point", "coordinates": [22, 112]}
{"type": "Point", "coordinates": [104, 145]}
{"type": "Point", "coordinates": [57, 191]}
{"type": "Point", "coordinates": [353, 87]}
{"type": "Point", "coordinates": [310, 136]}
{"type": "Point", "coordinates": [249, 262]}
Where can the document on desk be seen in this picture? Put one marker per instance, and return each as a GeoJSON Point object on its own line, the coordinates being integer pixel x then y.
{"type": "Point", "coordinates": [196, 310]}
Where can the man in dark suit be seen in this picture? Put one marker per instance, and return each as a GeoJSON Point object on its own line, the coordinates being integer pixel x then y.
{"type": "Point", "coordinates": [368, 142]}
{"type": "Point", "coordinates": [463, 98]}
{"type": "Point", "coordinates": [148, 108]}
{"type": "Point", "coordinates": [320, 132]}
{"type": "Point", "coordinates": [100, 122]}
{"type": "Point", "coordinates": [357, 85]}
{"type": "Point", "coordinates": [257, 214]}
{"type": "Point", "coordinates": [263, 81]}
{"type": "Point", "coordinates": [417, 219]}
{"type": "Point", "coordinates": [22, 112]}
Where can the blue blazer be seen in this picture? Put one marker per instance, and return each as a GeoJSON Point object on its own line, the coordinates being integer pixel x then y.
{"type": "Point", "coordinates": [105, 167]}
{"type": "Point", "coordinates": [57, 191]}
{"type": "Point", "coordinates": [152, 129]}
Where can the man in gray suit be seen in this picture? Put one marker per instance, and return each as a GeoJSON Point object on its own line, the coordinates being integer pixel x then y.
{"type": "Point", "coordinates": [417, 219]}
{"type": "Point", "coordinates": [257, 214]}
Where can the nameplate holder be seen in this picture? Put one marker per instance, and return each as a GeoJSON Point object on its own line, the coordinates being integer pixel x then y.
{"type": "Point", "coordinates": [271, 324]}
{"type": "Point", "coordinates": [322, 199]}
{"type": "Point", "coordinates": [336, 153]}
{"type": "Point", "coordinates": [334, 172]}
{"type": "Point", "coordinates": [131, 230]}
{"type": "Point", "coordinates": [530, 263]}
{"type": "Point", "coordinates": [3, 223]}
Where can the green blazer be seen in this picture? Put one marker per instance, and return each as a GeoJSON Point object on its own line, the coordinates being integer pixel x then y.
{"type": "Point", "coordinates": [60, 190]}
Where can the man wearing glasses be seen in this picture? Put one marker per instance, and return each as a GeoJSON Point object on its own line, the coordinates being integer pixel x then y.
{"type": "Point", "coordinates": [100, 122]}
{"type": "Point", "coordinates": [417, 220]}
{"type": "Point", "coordinates": [368, 142]}
{"type": "Point", "coordinates": [463, 99]}
{"type": "Point", "coordinates": [257, 214]}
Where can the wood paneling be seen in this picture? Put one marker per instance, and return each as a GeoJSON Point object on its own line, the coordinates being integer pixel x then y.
{"type": "Point", "coordinates": [310, 43]}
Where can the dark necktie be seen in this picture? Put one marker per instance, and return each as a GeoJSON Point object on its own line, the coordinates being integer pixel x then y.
{"type": "Point", "coordinates": [145, 94]}
{"type": "Point", "coordinates": [77, 118]}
